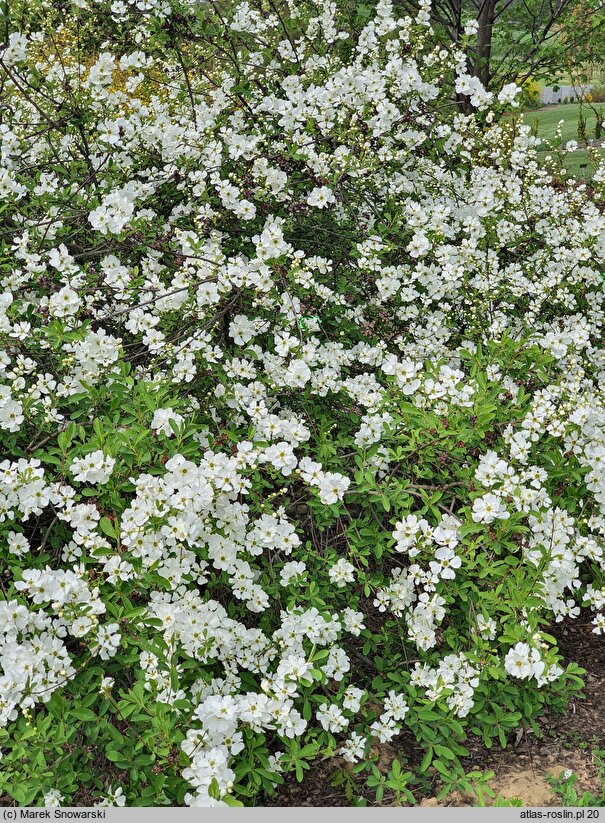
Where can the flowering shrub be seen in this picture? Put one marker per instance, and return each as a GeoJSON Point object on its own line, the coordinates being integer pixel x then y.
{"type": "Point", "coordinates": [301, 405]}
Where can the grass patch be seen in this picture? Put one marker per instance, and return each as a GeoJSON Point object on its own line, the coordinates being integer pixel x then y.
{"type": "Point", "coordinates": [548, 119]}
{"type": "Point", "coordinates": [580, 164]}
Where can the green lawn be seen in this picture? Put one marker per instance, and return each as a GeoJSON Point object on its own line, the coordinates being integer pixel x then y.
{"type": "Point", "coordinates": [548, 120]}
{"type": "Point", "coordinates": [580, 164]}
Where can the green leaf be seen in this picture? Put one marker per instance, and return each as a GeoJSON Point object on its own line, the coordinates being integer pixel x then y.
{"type": "Point", "coordinates": [83, 714]}
{"type": "Point", "coordinates": [114, 756]}
{"type": "Point", "coordinates": [426, 760]}
{"type": "Point", "coordinates": [444, 752]}
{"type": "Point", "coordinates": [441, 768]}
{"type": "Point", "coordinates": [107, 528]}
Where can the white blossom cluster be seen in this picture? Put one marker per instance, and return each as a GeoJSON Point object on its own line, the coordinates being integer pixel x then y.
{"type": "Point", "coordinates": [183, 340]}
{"type": "Point", "coordinates": [454, 676]}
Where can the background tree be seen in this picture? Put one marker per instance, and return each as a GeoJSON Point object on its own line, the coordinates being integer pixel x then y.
{"type": "Point", "coordinates": [518, 39]}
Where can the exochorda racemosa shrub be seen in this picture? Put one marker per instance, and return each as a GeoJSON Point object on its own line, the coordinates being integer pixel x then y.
{"type": "Point", "coordinates": [301, 404]}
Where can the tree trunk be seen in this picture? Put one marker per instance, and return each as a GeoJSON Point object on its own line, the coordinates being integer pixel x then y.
{"type": "Point", "coordinates": [483, 52]}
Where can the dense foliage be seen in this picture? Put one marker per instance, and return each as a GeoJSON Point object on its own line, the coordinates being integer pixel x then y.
{"type": "Point", "coordinates": [302, 418]}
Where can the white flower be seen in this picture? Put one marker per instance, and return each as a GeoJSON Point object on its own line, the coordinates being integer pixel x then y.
{"type": "Point", "coordinates": [332, 487]}
{"type": "Point", "coordinates": [16, 50]}
{"type": "Point", "coordinates": [445, 563]}
{"type": "Point", "coordinates": [385, 729]}
{"type": "Point", "coordinates": [486, 626]}
{"type": "Point", "coordinates": [108, 641]}
{"type": "Point", "coordinates": [115, 797]}
{"type": "Point", "coordinates": [281, 456]}
{"type": "Point", "coordinates": [64, 303]}
{"type": "Point", "coordinates": [523, 661]}
{"type": "Point", "coordinates": [11, 415]}
{"type": "Point", "coordinates": [107, 684]}
{"type": "Point", "coordinates": [291, 571]}
{"type": "Point", "coordinates": [342, 572]}
{"type": "Point", "coordinates": [330, 718]}
{"type": "Point", "coordinates": [320, 197]}
{"type": "Point", "coordinates": [418, 245]}
{"type": "Point", "coordinates": [508, 93]}
{"type": "Point", "coordinates": [353, 621]}
{"type": "Point", "coordinates": [53, 798]}
{"type": "Point", "coordinates": [354, 748]}
{"type": "Point", "coordinates": [18, 544]}
{"type": "Point", "coordinates": [161, 421]}
{"type": "Point", "coordinates": [488, 508]}
{"type": "Point", "coordinates": [395, 706]}
{"type": "Point", "coordinates": [96, 467]}
{"type": "Point", "coordinates": [352, 698]}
